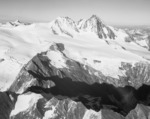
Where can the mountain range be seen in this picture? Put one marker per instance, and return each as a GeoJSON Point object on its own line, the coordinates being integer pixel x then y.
{"type": "Point", "coordinates": [74, 70]}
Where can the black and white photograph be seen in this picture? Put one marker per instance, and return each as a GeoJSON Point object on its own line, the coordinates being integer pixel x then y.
{"type": "Point", "coordinates": [74, 59]}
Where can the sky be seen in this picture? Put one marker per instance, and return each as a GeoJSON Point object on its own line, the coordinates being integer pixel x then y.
{"type": "Point", "coordinates": [113, 12]}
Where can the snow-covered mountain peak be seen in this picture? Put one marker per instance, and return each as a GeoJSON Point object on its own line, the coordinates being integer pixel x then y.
{"type": "Point", "coordinates": [67, 21]}
{"type": "Point", "coordinates": [16, 23]}
{"type": "Point", "coordinates": [95, 18]}
{"type": "Point", "coordinates": [95, 25]}
{"type": "Point", "coordinates": [93, 21]}
{"type": "Point", "coordinates": [62, 18]}
{"type": "Point", "coordinates": [64, 26]}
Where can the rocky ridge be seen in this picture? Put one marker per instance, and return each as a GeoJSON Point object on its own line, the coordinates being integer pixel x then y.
{"type": "Point", "coordinates": [72, 92]}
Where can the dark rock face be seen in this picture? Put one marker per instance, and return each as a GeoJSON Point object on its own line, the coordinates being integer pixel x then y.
{"type": "Point", "coordinates": [1, 60]}
{"type": "Point", "coordinates": [136, 75]}
{"type": "Point", "coordinates": [95, 97]}
{"type": "Point", "coordinates": [59, 46]}
{"type": "Point", "coordinates": [7, 102]}
{"type": "Point", "coordinates": [148, 42]}
{"type": "Point", "coordinates": [129, 38]}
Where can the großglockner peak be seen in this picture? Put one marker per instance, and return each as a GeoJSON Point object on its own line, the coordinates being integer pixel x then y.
{"type": "Point", "coordinates": [95, 24]}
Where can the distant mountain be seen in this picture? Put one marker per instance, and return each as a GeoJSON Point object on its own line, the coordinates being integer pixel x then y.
{"type": "Point", "coordinates": [94, 24]}
{"type": "Point", "coordinates": [140, 36]}
{"type": "Point", "coordinates": [14, 23]}
{"type": "Point", "coordinates": [64, 25]}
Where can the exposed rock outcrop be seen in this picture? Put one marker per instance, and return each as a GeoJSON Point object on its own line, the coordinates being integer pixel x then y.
{"type": "Point", "coordinates": [7, 103]}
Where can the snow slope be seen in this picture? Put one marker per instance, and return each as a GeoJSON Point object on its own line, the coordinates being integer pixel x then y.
{"type": "Point", "coordinates": [18, 44]}
{"type": "Point", "coordinates": [24, 102]}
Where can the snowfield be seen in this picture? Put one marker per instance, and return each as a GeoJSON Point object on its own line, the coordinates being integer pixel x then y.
{"type": "Point", "coordinates": [25, 102]}
{"type": "Point", "coordinates": [18, 44]}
